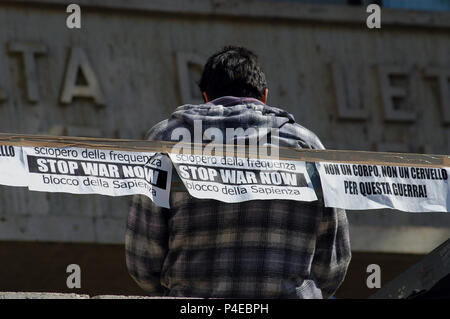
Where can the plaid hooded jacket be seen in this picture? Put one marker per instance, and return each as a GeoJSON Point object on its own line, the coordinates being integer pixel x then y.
{"type": "Point", "coordinates": [254, 249]}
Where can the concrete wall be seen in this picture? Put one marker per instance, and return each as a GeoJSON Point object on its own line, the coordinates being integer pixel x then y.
{"type": "Point", "coordinates": [359, 89]}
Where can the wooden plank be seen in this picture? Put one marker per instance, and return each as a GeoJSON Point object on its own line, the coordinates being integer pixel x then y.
{"type": "Point", "coordinates": [307, 155]}
{"type": "Point", "coordinates": [420, 276]}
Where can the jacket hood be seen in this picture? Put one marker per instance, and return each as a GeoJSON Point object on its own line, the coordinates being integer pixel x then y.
{"type": "Point", "coordinates": [243, 115]}
{"type": "Point", "coordinates": [270, 124]}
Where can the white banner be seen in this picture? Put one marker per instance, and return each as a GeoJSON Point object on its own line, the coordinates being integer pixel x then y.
{"type": "Point", "coordinates": [234, 179]}
{"type": "Point", "coordinates": [92, 171]}
{"type": "Point", "coordinates": [363, 186]}
{"type": "Point", "coordinates": [12, 167]}
{"type": "Point", "coordinates": [228, 179]}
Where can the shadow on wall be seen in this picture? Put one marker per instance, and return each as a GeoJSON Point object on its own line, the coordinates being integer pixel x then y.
{"type": "Point", "coordinates": [41, 267]}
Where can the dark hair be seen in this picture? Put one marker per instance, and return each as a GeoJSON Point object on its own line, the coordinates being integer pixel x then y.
{"type": "Point", "coordinates": [233, 71]}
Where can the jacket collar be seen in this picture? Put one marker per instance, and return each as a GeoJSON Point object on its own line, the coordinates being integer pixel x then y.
{"type": "Point", "coordinates": [233, 100]}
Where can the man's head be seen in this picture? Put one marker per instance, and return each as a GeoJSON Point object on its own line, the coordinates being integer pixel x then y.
{"type": "Point", "coordinates": [233, 71]}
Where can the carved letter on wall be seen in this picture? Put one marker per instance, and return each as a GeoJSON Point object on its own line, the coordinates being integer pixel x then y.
{"type": "Point", "coordinates": [78, 62]}
{"type": "Point", "coordinates": [28, 52]}
{"type": "Point", "coordinates": [189, 68]}
{"type": "Point", "coordinates": [396, 95]}
{"type": "Point", "coordinates": [348, 94]}
{"type": "Point", "coordinates": [443, 77]}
